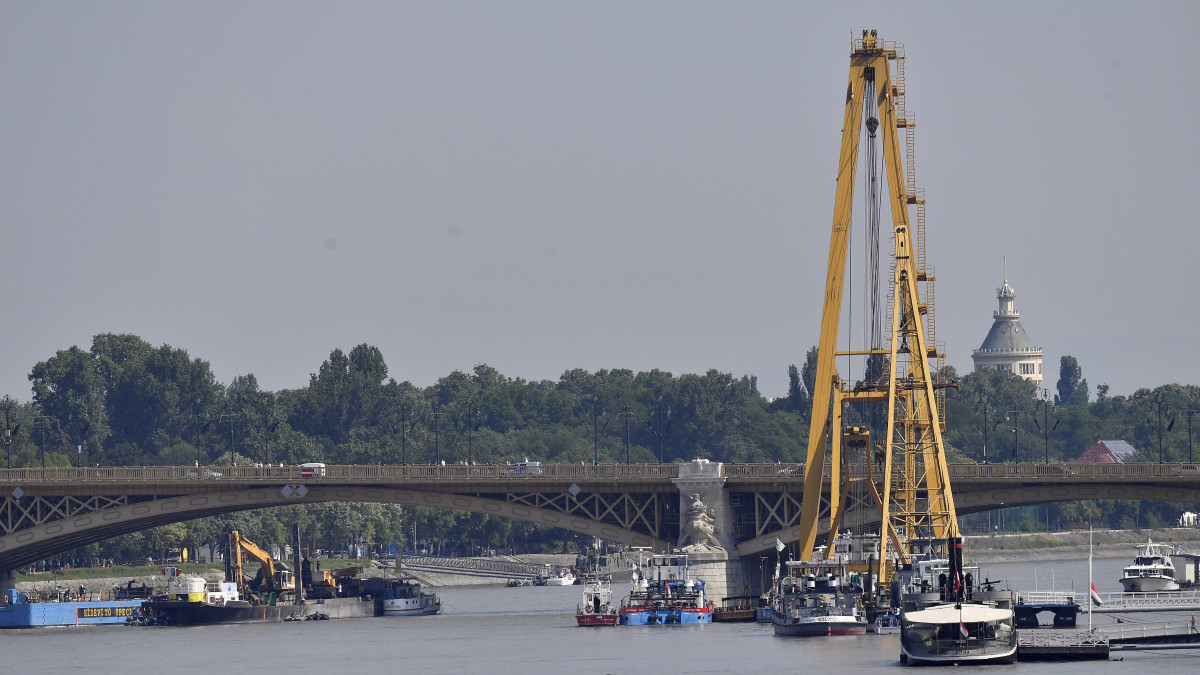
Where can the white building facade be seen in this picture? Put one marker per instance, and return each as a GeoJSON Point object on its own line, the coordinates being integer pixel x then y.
{"type": "Point", "coordinates": [1007, 345]}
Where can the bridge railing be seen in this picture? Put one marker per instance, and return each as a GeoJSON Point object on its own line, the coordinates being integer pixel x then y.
{"type": "Point", "coordinates": [340, 473]}
{"type": "Point", "coordinates": [370, 472]}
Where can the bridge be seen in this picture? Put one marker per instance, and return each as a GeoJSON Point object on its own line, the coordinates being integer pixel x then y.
{"type": "Point", "coordinates": [46, 511]}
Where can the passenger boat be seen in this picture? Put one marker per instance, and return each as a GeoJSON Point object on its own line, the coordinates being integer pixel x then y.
{"type": "Point", "coordinates": [948, 617]}
{"type": "Point", "coordinates": [662, 593]}
{"type": "Point", "coordinates": [34, 610]}
{"type": "Point", "coordinates": [1152, 570]}
{"type": "Point", "coordinates": [559, 577]}
{"type": "Point", "coordinates": [596, 607]}
{"type": "Point", "coordinates": [817, 599]}
{"type": "Point", "coordinates": [402, 596]}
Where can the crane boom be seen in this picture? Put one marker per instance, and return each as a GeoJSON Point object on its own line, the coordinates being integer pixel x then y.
{"type": "Point", "coordinates": [913, 494]}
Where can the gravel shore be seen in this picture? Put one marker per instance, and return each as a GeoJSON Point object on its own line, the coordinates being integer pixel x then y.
{"type": "Point", "coordinates": [1073, 545]}
{"type": "Point", "coordinates": [999, 548]}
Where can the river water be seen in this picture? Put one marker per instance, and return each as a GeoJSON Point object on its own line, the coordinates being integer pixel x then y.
{"type": "Point", "coordinates": [525, 630]}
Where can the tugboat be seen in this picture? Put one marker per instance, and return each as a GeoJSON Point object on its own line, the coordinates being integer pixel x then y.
{"type": "Point", "coordinates": [401, 596]}
{"type": "Point", "coordinates": [1152, 570]}
{"type": "Point", "coordinates": [948, 617]}
{"type": "Point", "coordinates": [596, 607]}
{"type": "Point", "coordinates": [818, 599]}
{"type": "Point", "coordinates": [661, 593]}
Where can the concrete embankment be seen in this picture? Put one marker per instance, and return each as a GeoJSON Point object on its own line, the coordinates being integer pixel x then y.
{"type": "Point", "coordinates": [104, 585]}
{"type": "Point", "coordinates": [1073, 544]}
{"type": "Point", "coordinates": [998, 548]}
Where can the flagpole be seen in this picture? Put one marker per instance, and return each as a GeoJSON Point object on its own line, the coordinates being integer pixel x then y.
{"type": "Point", "coordinates": [1091, 585]}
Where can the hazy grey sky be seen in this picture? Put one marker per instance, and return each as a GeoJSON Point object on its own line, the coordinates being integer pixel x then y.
{"type": "Point", "coordinates": [549, 185]}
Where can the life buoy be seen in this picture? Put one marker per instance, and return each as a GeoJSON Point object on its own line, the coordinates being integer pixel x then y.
{"type": "Point", "coordinates": [604, 608]}
{"type": "Point", "coordinates": [587, 609]}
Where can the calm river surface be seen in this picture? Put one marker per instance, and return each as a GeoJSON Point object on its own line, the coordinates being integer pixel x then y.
{"type": "Point", "coordinates": [523, 630]}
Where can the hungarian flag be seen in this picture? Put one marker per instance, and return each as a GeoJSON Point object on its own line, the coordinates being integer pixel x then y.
{"type": "Point", "coordinates": [1096, 597]}
{"type": "Point", "coordinates": [962, 628]}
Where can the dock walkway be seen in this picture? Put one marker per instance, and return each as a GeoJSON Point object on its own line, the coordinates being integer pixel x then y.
{"type": "Point", "coordinates": [1061, 645]}
{"type": "Point", "coordinates": [1166, 601]}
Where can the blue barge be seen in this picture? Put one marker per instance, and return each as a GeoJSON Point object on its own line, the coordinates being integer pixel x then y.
{"type": "Point", "coordinates": [18, 611]}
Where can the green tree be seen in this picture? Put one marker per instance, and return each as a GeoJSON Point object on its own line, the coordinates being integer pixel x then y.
{"type": "Point", "coordinates": [69, 388]}
{"type": "Point", "coordinates": [809, 372]}
{"type": "Point", "coordinates": [798, 395]}
{"type": "Point", "coordinates": [1072, 388]}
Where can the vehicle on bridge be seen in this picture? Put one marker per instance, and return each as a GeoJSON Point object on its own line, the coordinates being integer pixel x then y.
{"type": "Point", "coordinates": [526, 468]}
{"type": "Point", "coordinates": [311, 470]}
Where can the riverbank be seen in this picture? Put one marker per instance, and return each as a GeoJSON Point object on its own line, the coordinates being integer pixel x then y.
{"type": "Point", "coordinates": [102, 586]}
{"type": "Point", "coordinates": [1073, 544]}
{"type": "Point", "coordinates": [988, 548]}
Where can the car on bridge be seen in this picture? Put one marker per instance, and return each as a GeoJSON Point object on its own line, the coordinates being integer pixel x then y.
{"type": "Point", "coordinates": [526, 468]}
{"type": "Point", "coordinates": [311, 470]}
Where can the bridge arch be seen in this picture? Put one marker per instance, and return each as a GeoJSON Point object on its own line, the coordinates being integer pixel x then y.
{"type": "Point", "coordinates": [36, 543]}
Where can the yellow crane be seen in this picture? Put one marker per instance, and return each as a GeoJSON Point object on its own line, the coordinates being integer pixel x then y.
{"type": "Point", "coordinates": [912, 493]}
{"type": "Point", "coordinates": [273, 576]}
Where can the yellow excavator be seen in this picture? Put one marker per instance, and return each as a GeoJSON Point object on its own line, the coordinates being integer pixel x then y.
{"type": "Point", "coordinates": [273, 576]}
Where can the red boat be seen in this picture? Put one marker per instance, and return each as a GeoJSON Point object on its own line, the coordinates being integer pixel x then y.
{"type": "Point", "coordinates": [596, 607]}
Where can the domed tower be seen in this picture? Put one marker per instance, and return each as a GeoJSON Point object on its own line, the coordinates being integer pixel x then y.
{"type": "Point", "coordinates": [1007, 345]}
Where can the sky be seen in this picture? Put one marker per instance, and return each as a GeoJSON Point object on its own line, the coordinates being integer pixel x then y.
{"type": "Point", "coordinates": [541, 186]}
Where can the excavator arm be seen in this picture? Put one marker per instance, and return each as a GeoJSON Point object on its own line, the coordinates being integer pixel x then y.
{"type": "Point", "coordinates": [240, 546]}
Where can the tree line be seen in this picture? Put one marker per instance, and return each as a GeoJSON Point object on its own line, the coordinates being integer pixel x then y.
{"type": "Point", "coordinates": [126, 402]}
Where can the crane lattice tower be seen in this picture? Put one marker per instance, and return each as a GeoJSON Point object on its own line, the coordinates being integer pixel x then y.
{"type": "Point", "coordinates": [905, 476]}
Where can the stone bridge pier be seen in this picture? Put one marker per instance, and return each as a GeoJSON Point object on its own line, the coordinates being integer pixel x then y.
{"type": "Point", "coordinates": [706, 532]}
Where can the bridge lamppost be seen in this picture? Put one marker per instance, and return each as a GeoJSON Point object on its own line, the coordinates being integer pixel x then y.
{"type": "Point", "coordinates": [597, 413]}
{"type": "Point", "coordinates": [42, 419]}
{"type": "Point", "coordinates": [986, 429]}
{"type": "Point", "coordinates": [197, 430]}
{"type": "Point", "coordinates": [1189, 412]}
{"type": "Point", "coordinates": [473, 421]}
{"type": "Point", "coordinates": [1014, 416]}
{"type": "Point", "coordinates": [232, 448]}
{"type": "Point", "coordinates": [627, 413]}
{"type": "Point", "coordinates": [664, 423]}
{"type": "Point", "coordinates": [437, 433]}
{"type": "Point", "coordinates": [1158, 403]}
{"type": "Point", "coordinates": [1045, 404]}
{"type": "Point", "coordinates": [9, 430]}
{"type": "Point", "coordinates": [406, 424]}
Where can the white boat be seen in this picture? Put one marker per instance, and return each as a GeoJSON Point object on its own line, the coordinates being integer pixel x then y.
{"type": "Point", "coordinates": [560, 577]}
{"type": "Point", "coordinates": [1151, 571]}
{"type": "Point", "coordinates": [596, 607]}
{"type": "Point", "coordinates": [887, 623]}
{"type": "Point", "coordinates": [405, 597]}
{"type": "Point", "coordinates": [818, 599]}
{"type": "Point", "coordinates": [948, 616]}
{"type": "Point", "coordinates": [961, 633]}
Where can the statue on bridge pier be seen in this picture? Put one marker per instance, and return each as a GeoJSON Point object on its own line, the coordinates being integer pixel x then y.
{"type": "Point", "coordinates": [699, 531]}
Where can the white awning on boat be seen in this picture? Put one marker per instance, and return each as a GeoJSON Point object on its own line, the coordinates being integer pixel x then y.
{"type": "Point", "coordinates": [951, 614]}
